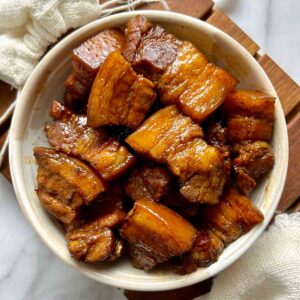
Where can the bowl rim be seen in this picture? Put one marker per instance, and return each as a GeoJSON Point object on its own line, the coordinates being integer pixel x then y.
{"type": "Point", "coordinates": [16, 160]}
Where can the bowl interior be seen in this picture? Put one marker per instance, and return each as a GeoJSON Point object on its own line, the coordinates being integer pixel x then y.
{"type": "Point", "coordinates": [46, 84]}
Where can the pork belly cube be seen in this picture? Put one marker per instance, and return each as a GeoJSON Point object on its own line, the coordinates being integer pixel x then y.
{"type": "Point", "coordinates": [252, 129]}
{"type": "Point", "coordinates": [198, 87]}
{"type": "Point", "coordinates": [233, 216]}
{"type": "Point", "coordinates": [249, 214]}
{"type": "Point", "coordinates": [119, 96]}
{"type": "Point", "coordinates": [206, 250]}
{"type": "Point", "coordinates": [88, 57]}
{"type": "Point", "coordinates": [204, 188]}
{"type": "Point", "coordinates": [164, 130]}
{"type": "Point", "coordinates": [206, 93]}
{"type": "Point", "coordinates": [149, 47]}
{"type": "Point", "coordinates": [186, 68]}
{"type": "Point", "coordinates": [89, 236]}
{"type": "Point", "coordinates": [71, 135]}
{"type": "Point", "coordinates": [156, 233]}
{"type": "Point", "coordinates": [86, 182]}
{"type": "Point", "coordinates": [251, 161]}
{"type": "Point", "coordinates": [61, 210]}
{"type": "Point", "coordinates": [201, 171]}
{"type": "Point", "coordinates": [250, 116]}
{"type": "Point", "coordinates": [91, 245]}
{"type": "Point", "coordinates": [136, 28]}
{"type": "Point", "coordinates": [157, 50]}
{"type": "Point", "coordinates": [172, 138]}
{"type": "Point", "coordinates": [193, 157]}
{"type": "Point", "coordinates": [252, 104]}
{"type": "Point", "coordinates": [148, 182]}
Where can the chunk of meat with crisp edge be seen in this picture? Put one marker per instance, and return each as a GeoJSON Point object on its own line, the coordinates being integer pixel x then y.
{"type": "Point", "coordinates": [248, 103]}
{"type": "Point", "coordinates": [251, 160]}
{"type": "Point", "coordinates": [88, 57]}
{"type": "Point", "coordinates": [156, 233]}
{"type": "Point", "coordinates": [136, 28]}
{"type": "Point", "coordinates": [149, 47]}
{"type": "Point", "coordinates": [220, 225]}
{"type": "Point", "coordinates": [206, 250]}
{"type": "Point", "coordinates": [87, 183]}
{"type": "Point", "coordinates": [232, 217]}
{"type": "Point", "coordinates": [119, 96]}
{"type": "Point", "coordinates": [164, 130]}
{"type": "Point", "coordinates": [196, 86]}
{"type": "Point", "coordinates": [250, 116]}
{"type": "Point", "coordinates": [71, 135]}
{"type": "Point", "coordinates": [206, 93]}
{"type": "Point", "coordinates": [61, 210]}
{"type": "Point", "coordinates": [187, 67]}
{"type": "Point", "coordinates": [148, 181]}
{"type": "Point", "coordinates": [91, 245]}
{"type": "Point", "coordinates": [172, 138]}
{"type": "Point", "coordinates": [86, 61]}
{"type": "Point", "coordinates": [248, 129]}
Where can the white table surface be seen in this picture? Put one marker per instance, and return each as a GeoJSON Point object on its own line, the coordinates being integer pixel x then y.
{"type": "Point", "coordinates": [28, 270]}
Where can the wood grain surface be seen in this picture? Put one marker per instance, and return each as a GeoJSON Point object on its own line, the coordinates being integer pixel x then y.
{"type": "Point", "coordinates": [292, 186]}
{"type": "Point", "coordinates": [287, 89]}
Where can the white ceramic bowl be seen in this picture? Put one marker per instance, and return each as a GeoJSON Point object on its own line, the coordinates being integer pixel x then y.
{"type": "Point", "coordinates": [46, 83]}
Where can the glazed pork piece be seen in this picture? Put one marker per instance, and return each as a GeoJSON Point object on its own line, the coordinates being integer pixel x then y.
{"type": "Point", "coordinates": [220, 225]}
{"type": "Point", "coordinates": [172, 138]}
{"type": "Point", "coordinates": [71, 135]}
{"type": "Point", "coordinates": [148, 182]}
{"type": "Point", "coordinates": [149, 47]}
{"type": "Point", "coordinates": [183, 74]}
{"type": "Point", "coordinates": [119, 96]}
{"type": "Point", "coordinates": [89, 236]}
{"type": "Point", "coordinates": [250, 116]}
{"type": "Point", "coordinates": [88, 57]}
{"type": "Point", "coordinates": [206, 250]}
{"type": "Point", "coordinates": [196, 86]}
{"type": "Point", "coordinates": [233, 216]}
{"type": "Point", "coordinates": [91, 245]}
{"type": "Point", "coordinates": [155, 234]}
{"type": "Point", "coordinates": [65, 184]}
{"type": "Point", "coordinates": [252, 159]}
{"type": "Point", "coordinates": [86, 60]}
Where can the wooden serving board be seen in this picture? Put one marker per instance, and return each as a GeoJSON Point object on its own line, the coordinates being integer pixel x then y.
{"type": "Point", "coordinates": [287, 90]}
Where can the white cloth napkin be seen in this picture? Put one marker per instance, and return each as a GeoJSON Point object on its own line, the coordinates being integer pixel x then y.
{"type": "Point", "coordinates": [270, 270]}
{"type": "Point", "coordinates": [28, 27]}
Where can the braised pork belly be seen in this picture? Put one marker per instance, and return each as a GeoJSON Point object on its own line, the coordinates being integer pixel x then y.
{"type": "Point", "coordinates": [86, 60]}
{"type": "Point", "coordinates": [172, 138]}
{"type": "Point", "coordinates": [156, 233]}
{"type": "Point", "coordinates": [132, 172]}
{"type": "Point", "coordinates": [71, 135]}
{"type": "Point", "coordinates": [65, 183]}
{"type": "Point", "coordinates": [148, 182]}
{"type": "Point", "coordinates": [119, 96]}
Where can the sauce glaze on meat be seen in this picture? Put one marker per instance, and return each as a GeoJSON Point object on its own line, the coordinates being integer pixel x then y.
{"type": "Point", "coordinates": [154, 152]}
